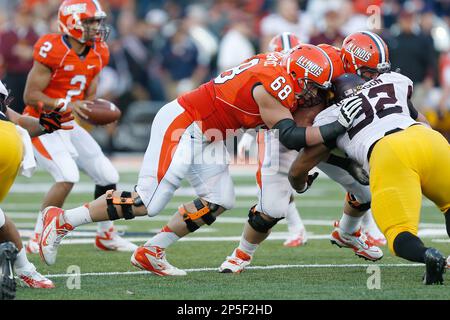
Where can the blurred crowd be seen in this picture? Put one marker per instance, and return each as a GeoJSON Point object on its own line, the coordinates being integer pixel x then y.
{"type": "Point", "coordinates": [160, 49]}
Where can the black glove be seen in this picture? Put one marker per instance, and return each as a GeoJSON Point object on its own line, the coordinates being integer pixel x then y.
{"type": "Point", "coordinates": [309, 182]}
{"type": "Point", "coordinates": [54, 120]}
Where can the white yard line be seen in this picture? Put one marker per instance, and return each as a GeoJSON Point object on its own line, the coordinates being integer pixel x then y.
{"type": "Point", "coordinates": [279, 266]}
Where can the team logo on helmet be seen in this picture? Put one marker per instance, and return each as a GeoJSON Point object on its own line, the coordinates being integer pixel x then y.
{"type": "Point", "coordinates": [358, 52]}
{"type": "Point", "coordinates": [309, 66]}
{"type": "Point", "coordinates": [74, 9]}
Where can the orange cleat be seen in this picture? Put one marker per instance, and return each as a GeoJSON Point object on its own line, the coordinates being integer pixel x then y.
{"type": "Point", "coordinates": [153, 259]}
{"type": "Point", "coordinates": [54, 230]}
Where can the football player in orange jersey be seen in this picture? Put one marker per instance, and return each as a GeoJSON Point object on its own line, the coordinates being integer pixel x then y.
{"type": "Point", "coordinates": [65, 73]}
{"type": "Point", "coordinates": [187, 142]}
{"type": "Point", "coordinates": [18, 156]}
{"type": "Point", "coordinates": [282, 43]}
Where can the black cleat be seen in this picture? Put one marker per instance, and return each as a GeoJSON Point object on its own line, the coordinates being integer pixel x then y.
{"type": "Point", "coordinates": [8, 254]}
{"type": "Point", "coordinates": [435, 267]}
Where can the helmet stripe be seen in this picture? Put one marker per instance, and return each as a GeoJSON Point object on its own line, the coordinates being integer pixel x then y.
{"type": "Point", "coordinates": [376, 38]}
{"type": "Point", "coordinates": [329, 61]}
{"type": "Point", "coordinates": [285, 40]}
{"type": "Point", "coordinates": [97, 5]}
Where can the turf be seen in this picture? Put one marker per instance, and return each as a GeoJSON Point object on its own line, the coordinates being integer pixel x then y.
{"type": "Point", "coordinates": [315, 271]}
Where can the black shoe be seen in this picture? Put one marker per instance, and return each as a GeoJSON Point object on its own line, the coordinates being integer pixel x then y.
{"type": "Point", "coordinates": [435, 267]}
{"type": "Point", "coordinates": [8, 254]}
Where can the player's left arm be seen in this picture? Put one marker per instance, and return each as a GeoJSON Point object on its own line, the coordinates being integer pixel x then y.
{"type": "Point", "coordinates": [91, 91]}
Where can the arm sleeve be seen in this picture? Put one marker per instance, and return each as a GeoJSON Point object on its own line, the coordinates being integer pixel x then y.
{"type": "Point", "coordinates": [293, 137]}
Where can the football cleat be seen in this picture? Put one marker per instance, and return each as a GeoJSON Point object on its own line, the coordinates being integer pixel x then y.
{"type": "Point", "coordinates": [54, 230]}
{"type": "Point", "coordinates": [32, 246]}
{"type": "Point", "coordinates": [153, 259]}
{"type": "Point", "coordinates": [30, 278]}
{"type": "Point", "coordinates": [435, 267]}
{"type": "Point", "coordinates": [111, 240]}
{"type": "Point", "coordinates": [357, 242]}
{"type": "Point", "coordinates": [235, 263]}
{"type": "Point", "coordinates": [376, 239]}
{"type": "Point", "coordinates": [296, 240]}
{"type": "Point", "coordinates": [8, 254]}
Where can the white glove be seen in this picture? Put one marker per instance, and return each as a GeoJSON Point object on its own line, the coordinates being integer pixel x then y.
{"type": "Point", "coordinates": [244, 144]}
{"type": "Point", "coordinates": [349, 110]}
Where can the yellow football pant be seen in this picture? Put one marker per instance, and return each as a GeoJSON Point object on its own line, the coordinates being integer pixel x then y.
{"type": "Point", "coordinates": [11, 153]}
{"type": "Point", "coordinates": [404, 165]}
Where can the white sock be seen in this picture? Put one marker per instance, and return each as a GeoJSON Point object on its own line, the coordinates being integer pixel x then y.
{"type": "Point", "coordinates": [21, 260]}
{"type": "Point", "coordinates": [39, 224]}
{"type": "Point", "coordinates": [104, 226]}
{"type": "Point", "coordinates": [78, 216]}
{"type": "Point", "coordinates": [349, 224]}
{"type": "Point", "coordinates": [369, 224]}
{"type": "Point", "coordinates": [165, 238]}
{"type": "Point", "coordinates": [294, 221]}
{"type": "Point", "coordinates": [247, 247]}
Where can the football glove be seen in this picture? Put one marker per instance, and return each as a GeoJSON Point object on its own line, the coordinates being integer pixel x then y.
{"type": "Point", "coordinates": [357, 172]}
{"type": "Point", "coordinates": [54, 120]}
{"type": "Point", "coordinates": [350, 108]}
{"type": "Point", "coordinates": [309, 182]}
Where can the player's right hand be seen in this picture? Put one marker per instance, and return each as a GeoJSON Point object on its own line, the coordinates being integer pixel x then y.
{"type": "Point", "coordinates": [309, 182]}
{"type": "Point", "coordinates": [244, 145]}
{"type": "Point", "coordinates": [54, 120]}
{"type": "Point", "coordinates": [80, 106]}
{"type": "Point", "coordinates": [350, 108]}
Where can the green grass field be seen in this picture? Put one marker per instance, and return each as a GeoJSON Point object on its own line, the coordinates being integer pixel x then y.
{"type": "Point", "coordinates": [315, 271]}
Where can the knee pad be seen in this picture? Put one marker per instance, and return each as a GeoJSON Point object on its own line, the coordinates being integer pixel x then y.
{"type": "Point", "coordinates": [203, 212]}
{"type": "Point", "coordinates": [259, 223]}
{"type": "Point", "coordinates": [101, 190]}
{"type": "Point", "coordinates": [353, 202]}
{"type": "Point", "coordinates": [2, 218]}
{"type": "Point", "coordinates": [125, 201]}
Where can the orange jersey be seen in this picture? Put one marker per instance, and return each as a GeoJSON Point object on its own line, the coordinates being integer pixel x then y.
{"type": "Point", "coordinates": [71, 74]}
{"type": "Point", "coordinates": [227, 102]}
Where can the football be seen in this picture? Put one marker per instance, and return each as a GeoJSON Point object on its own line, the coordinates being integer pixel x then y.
{"type": "Point", "coordinates": [102, 112]}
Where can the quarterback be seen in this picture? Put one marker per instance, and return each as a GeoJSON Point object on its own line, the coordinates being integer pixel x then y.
{"type": "Point", "coordinates": [65, 72]}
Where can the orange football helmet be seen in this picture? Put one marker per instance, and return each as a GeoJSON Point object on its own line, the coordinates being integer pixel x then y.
{"type": "Point", "coordinates": [363, 52]}
{"type": "Point", "coordinates": [335, 56]}
{"type": "Point", "coordinates": [283, 42]}
{"type": "Point", "coordinates": [311, 69]}
{"type": "Point", "coordinates": [83, 20]}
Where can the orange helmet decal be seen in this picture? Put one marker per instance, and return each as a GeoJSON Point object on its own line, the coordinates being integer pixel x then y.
{"type": "Point", "coordinates": [308, 63]}
{"type": "Point", "coordinates": [73, 13]}
{"type": "Point", "coordinates": [365, 50]}
{"type": "Point", "coordinates": [283, 42]}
